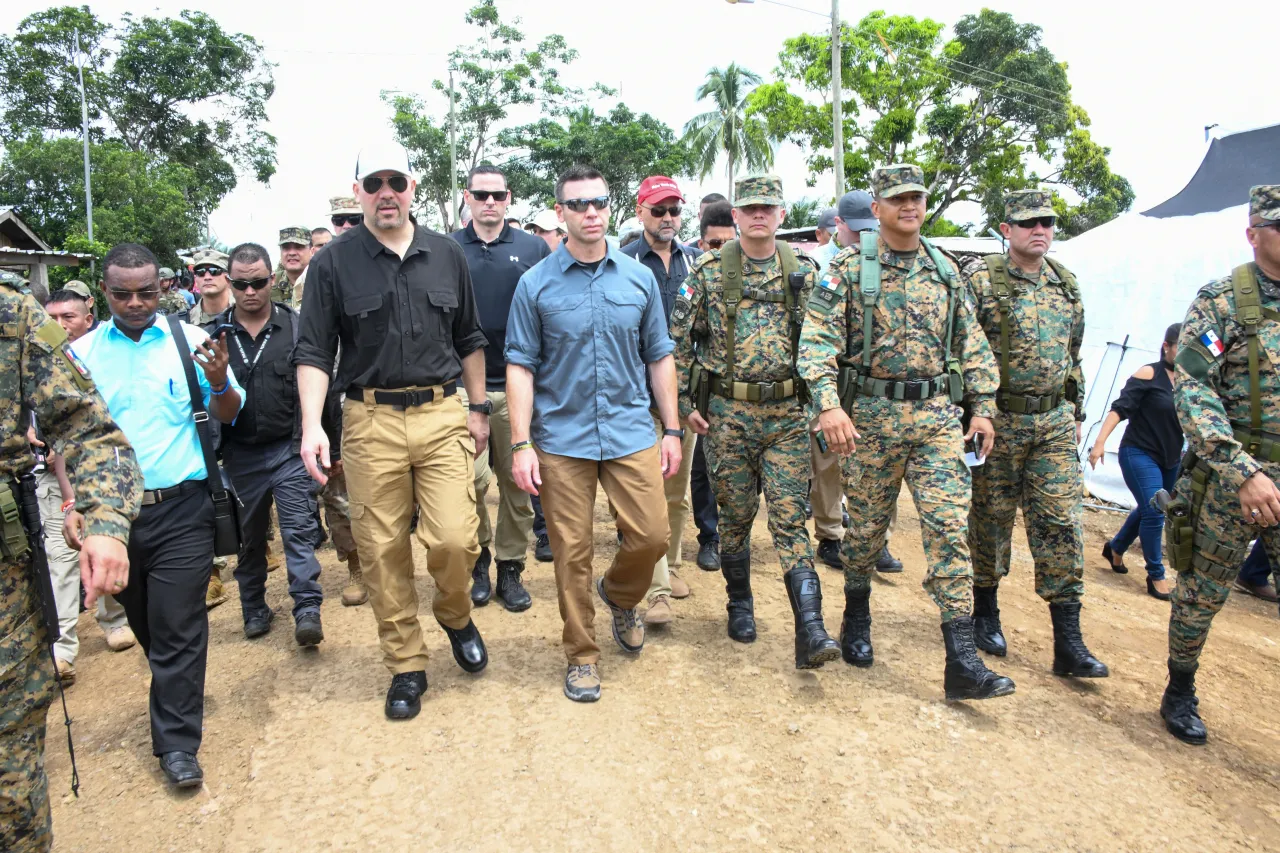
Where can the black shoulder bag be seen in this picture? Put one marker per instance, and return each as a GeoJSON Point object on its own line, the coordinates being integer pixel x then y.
{"type": "Point", "coordinates": [226, 516]}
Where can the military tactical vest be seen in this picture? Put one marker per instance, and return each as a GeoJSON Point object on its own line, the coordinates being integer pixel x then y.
{"type": "Point", "coordinates": [1002, 287]}
{"type": "Point", "coordinates": [1249, 314]}
{"type": "Point", "coordinates": [734, 292]}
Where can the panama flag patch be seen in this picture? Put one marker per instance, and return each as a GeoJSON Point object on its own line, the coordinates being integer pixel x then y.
{"type": "Point", "coordinates": [827, 282]}
{"type": "Point", "coordinates": [1212, 343]}
{"type": "Point", "coordinates": [686, 291]}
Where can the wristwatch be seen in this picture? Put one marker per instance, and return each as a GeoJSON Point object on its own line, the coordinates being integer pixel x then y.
{"type": "Point", "coordinates": [675, 433]}
{"type": "Point", "coordinates": [485, 408]}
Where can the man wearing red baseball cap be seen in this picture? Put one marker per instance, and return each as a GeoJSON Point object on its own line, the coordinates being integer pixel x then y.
{"type": "Point", "coordinates": [658, 206]}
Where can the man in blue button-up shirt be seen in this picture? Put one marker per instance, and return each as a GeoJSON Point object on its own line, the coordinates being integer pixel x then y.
{"type": "Point", "coordinates": [584, 325]}
{"type": "Point", "coordinates": [134, 360]}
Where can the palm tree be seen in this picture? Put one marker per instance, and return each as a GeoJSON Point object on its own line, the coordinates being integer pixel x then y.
{"type": "Point", "coordinates": [726, 129]}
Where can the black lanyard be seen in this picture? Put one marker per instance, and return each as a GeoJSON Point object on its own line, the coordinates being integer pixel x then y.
{"type": "Point", "coordinates": [244, 359]}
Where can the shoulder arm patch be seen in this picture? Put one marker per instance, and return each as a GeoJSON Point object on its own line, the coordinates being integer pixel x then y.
{"type": "Point", "coordinates": [827, 293]}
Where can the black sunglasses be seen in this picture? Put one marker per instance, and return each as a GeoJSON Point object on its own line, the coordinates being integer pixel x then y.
{"type": "Point", "coordinates": [485, 195]}
{"type": "Point", "coordinates": [716, 244]}
{"type": "Point", "coordinates": [340, 219]}
{"type": "Point", "coordinates": [661, 212]}
{"type": "Point", "coordinates": [210, 270]}
{"type": "Point", "coordinates": [246, 283]}
{"type": "Point", "coordinates": [398, 183]}
{"type": "Point", "coordinates": [1046, 221]}
{"type": "Point", "coordinates": [580, 205]}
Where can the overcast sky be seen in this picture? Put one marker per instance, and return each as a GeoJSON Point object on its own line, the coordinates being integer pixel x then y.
{"type": "Point", "coordinates": [1150, 75]}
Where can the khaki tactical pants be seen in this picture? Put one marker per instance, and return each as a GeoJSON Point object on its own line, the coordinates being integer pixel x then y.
{"type": "Point", "coordinates": [393, 458]}
{"type": "Point", "coordinates": [634, 485]}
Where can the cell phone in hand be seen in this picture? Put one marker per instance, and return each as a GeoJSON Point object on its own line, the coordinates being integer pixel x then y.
{"type": "Point", "coordinates": [222, 327]}
{"type": "Point", "coordinates": [973, 452]}
{"type": "Point", "coordinates": [821, 440]}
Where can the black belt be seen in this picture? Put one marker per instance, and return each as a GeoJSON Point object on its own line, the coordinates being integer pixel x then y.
{"type": "Point", "coordinates": [1027, 404]}
{"type": "Point", "coordinates": [401, 400]}
{"type": "Point", "coordinates": [155, 496]}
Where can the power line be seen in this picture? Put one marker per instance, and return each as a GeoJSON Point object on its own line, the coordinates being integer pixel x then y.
{"type": "Point", "coordinates": [798, 8]}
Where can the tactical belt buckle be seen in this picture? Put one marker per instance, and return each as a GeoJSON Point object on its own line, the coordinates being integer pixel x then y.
{"type": "Point", "coordinates": [767, 390]}
{"type": "Point", "coordinates": [417, 397]}
{"type": "Point", "coordinates": [915, 389]}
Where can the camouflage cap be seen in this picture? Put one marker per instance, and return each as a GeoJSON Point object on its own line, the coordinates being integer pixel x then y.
{"type": "Point", "coordinates": [296, 236]}
{"type": "Point", "coordinates": [1264, 201]}
{"type": "Point", "coordinates": [343, 204]}
{"type": "Point", "coordinates": [1021, 205]}
{"type": "Point", "coordinates": [896, 179]}
{"type": "Point", "coordinates": [762, 189]}
{"type": "Point", "coordinates": [12, 278]}
{"type": "Point", "coordinates": [165, 272]}
{"type": "Point", "coordinates": [79, 288]}
{"type": "Point", "coordinates": [209, 256]}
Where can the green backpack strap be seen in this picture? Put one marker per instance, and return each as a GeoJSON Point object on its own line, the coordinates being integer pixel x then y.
{"type": "Point", "coordinates": [1069, 283]}
{"type": "Point", "coordinates": [790, 264]}
{"type": "Point", "coordinates": [869, 285]}
{"type": "Point", "coordinates": [1244, 285]}
{"type": "Point", "coordinates": [1002, 287]}
{"type": "Point", "coordinates": [731, 269]}
{"type": "Point", "coordinates": [955, 376]}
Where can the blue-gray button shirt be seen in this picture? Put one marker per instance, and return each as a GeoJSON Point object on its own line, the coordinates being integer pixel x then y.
{"type": "Point", "coordinates": [587, 337]}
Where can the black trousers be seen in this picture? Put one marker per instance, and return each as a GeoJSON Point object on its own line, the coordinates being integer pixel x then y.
{"type": "Point", "coordinates": [539, 520]}
{"type": "Point", "coordinates": [705, 514]}
{"type": "Point", "coordinates": [170, 557]}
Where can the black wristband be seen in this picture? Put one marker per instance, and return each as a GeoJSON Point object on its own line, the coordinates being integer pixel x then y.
{"type": "Point", "coordinates": [674, 433]}
{"type": "Point", "coordinates": [485, 408]}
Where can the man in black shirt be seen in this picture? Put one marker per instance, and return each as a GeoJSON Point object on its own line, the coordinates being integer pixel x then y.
{"type": "Point", "coordinates": [497, 255]}
{"type": "Point", "coordinates": [260, 449]}
{"type": "Point", "coordinates": [398, 298]}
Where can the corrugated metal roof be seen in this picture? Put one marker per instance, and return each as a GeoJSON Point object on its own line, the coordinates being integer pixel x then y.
{"type": "Point", "coordinates": [13, 251]}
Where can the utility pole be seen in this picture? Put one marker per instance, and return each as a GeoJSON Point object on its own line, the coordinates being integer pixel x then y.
{"type": "Point", "coordinates": [84, 127]}
{"type": "Point", "coordinates": [837, 105]}
{"type": "Point", "coordinates": [453, 157]}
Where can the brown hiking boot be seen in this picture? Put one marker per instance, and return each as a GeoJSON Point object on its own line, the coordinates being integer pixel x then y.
{"type": "Point", "coordinates": [215, 594]}
{"type": "Point", "coordinates": [354, 594]}
{"type": "Point", "coordinates": [274, 561]}
{"type": "Point", "coordinates": [679, 589]}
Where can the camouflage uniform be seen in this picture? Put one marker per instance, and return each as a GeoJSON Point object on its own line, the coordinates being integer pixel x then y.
{"type": "Point", "coordinates": [39, 375]}
{"type": "Point", "coordinates": [918, 440]}
{"type": "Point", "coordinates": [753, 443]}
{"type": "Point", "coordinates": [282, 290]}
{"type": "Point", "coordinates": [1212, 398]}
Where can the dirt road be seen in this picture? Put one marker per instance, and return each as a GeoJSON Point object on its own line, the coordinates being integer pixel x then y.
{"type": "Point", "coordinates": [700, 743]}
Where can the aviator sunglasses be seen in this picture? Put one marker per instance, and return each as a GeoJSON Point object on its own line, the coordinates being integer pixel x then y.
{"type": "Point", "coordinates": [340, 219]}
{"type": "Point", "coordinates": [398, 183]}
{"type": "Point", "coordinates": [661, 212]}
{"type": "Point", "coordinates": [207, 270]}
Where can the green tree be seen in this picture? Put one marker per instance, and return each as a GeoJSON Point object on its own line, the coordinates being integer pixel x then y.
{"type": "Point", "coordinates": [987, 112]}
{"type": "Point", "coordinates": [493, 75]}
{"type": "Point", "coordinates": [625, 147]}
{"type": "Point", "coordinates": [184, 97]}
{"type": "Point", "coordinates": [727, 128]}
{"type": "Point", "coordinates": [804, 213]}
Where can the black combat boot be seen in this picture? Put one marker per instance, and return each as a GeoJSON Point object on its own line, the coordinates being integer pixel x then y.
{"type": "Point", "coordinates": [511, 591]}
{"type": "Point", "coordinates": [1070, 655]}
{"type": "Point", "coordinates": [966, 676]}
{"type": "Point", "coordinates": [814, 646]}
{"type": "Point", "coordinates": [481, 589]}
{"type": "Point", "coordinates": [1179, 703]}
{"type": "Point", "coordinates": [987, 634]}
{"type": "Point", "coordinates": [736, 569]}
{"type": "Point", "coordinates": [855, 629]}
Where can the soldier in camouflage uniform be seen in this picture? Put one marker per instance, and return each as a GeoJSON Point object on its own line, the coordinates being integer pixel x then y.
{"type": "Point", "coordinates": [1029, 306]}
{"type": "Point", "coordinates": [1230, 414]}
{"type": "Point", "coordinates": [900, 376]}
{"type": "Point", "coordinates": [295, 254]}
{"type": "Point", "coordinates": [735, 325]}
{"type": "Point", "coordinates": [171, 301]}
{"type": "Point", "coordinates": [38, 374]}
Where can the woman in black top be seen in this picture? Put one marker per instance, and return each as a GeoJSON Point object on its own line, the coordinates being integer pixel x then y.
{"type": "Point", "coordinates": [1149, 456]}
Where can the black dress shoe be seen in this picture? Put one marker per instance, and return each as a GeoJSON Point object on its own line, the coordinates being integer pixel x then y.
{"type": "Point", "coordinates": [258, 622]}
{"type": "Point", "coordinates": [829, 552]}
{"type": "Point", "coordinates": [709, 556]}
{"type": "Point", "coordinates": [468, 647]}
{"type": "Point", "coordinates": [542, 549]}
{"type": "Point", "coordinates": [307, 630]}
{"type": "Point", "coordinates": [182, 769]}
{"type": "Point", "coordinates": [403, 698]}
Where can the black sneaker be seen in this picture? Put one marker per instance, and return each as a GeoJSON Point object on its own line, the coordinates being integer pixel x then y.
{"type": "Point", "coordinates": [307, 630]}
{"type": "Point", "coordinates": [542, 549]}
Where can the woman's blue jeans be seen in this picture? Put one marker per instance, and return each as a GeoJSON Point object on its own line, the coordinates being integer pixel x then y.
{"type": "Point", "coordinates": [1144, 477]}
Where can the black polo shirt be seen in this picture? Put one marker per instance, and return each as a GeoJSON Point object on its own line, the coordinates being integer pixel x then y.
{"type": "Point", "coordinates": [263, 368]}
{"type": "Point", "coordinates": [495, 271]}
{"type": "Point", "coordinates": [401, 322]}
{"type": "Point", "coordinates": [669, 281]}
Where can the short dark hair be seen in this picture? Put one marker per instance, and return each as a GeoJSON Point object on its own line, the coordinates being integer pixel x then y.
{"type": "Point", "coordinates": [129, 256]}
{"type": "Point", "coordinates": [249, 254]}
{"type": "Point", "coordinates": [315, 231]}
{"type": "Point", "coordinates": [580, 172]}
{"type": "Point", "coordinates": [1172, 333]}
{"type": "Point", "coordinates": [485, 169]}
{"type": "Point", "coordinates": [712, 198]}
{"type": "Point", "coordinates": [66, 296]}
{"type": "Point", "coordinates": [717, 215]}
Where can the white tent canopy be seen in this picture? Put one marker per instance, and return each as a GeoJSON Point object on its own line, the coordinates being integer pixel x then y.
{"type": "Point", "coordinates": [1139, 273]}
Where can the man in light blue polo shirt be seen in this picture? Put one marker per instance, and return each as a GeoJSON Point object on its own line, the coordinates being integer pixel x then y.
{"type": "Point", "coordinates": [584, 326]}
{"type": "Point", "coordinates": [135, 362]}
